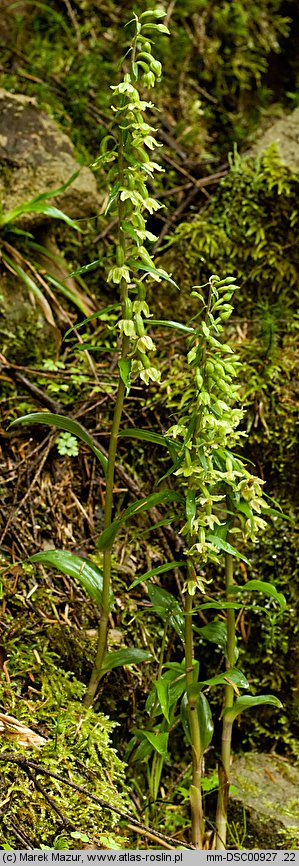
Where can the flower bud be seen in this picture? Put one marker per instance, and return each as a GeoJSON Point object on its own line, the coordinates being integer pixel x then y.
{"type": "Point", "coordinates": [148, 79]}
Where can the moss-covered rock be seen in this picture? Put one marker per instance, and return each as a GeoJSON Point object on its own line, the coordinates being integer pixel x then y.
{"type": "Point", "coordinates": [267, 787]}
{"type": "Point", "coordinates": [40, 694]}
{"type": "Point", "coordinates": [284, 132]}
{"type": "Point", "coordinates": [36, 156]}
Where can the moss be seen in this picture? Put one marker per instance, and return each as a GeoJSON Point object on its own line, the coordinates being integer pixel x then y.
{"type": "Point", "coordinates": [48, 699]}
{"type": "Point", "coordinates": [25, 335]}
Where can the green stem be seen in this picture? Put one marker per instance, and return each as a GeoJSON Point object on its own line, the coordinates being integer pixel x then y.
{"type": "Point", "coordinates": [104, 621]}
{"type": "Point", "coordinates": [159, 673]}
{"type": "Point", "coordinates": [195, 788]}
{"type": "Point", "coordinates": [118, 408]}
{"type": "Point", "coordinates": [224, 767]}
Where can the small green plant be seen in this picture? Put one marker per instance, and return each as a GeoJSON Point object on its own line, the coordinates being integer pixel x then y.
{"type": "Point", "coordinates": [67, 444]}
{"type": "Point", "coordinates": [219, 502]}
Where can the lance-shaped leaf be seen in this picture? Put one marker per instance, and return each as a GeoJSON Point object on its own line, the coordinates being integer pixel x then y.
{"type": "Point", "coordinates": [98, 315]}
{"type": "Point", "coordinates": [36, 291]}
{"type": "Point", "coordinates": [168, 323]}
{"type": "Point", "coordinates": [174, 683]}
{"type": "Point", "coordinates": [158, 741]}
{"type": "Point", "coordinates": [37, 205]}
{"type": "Point", "coordinates": [107, 538]}
{"type": "Point", "coordinates": [147, 436]}
{"type": "Point", "coordinates": [261, 586]}
{"type": "Point", "coordinates": [206, 725]}
{"type": "Point", "coordinates": [218, 605]}
{"type": "Point", "coordinates": [126, 656]}
{"type": "Point", "coordinates": [83, 570]}
{"type": "Point", "coordinates": [45, 209]}
{"type": "Point", "coordinates": [231, 675]}
{"type": "Point", "coordinates": [63, 423]}
{"type": "Point", "coordinates": [124, 366]}
{"type": "Point", "coordinates": [177, 685]}
{"type": "Point", "coordinates": [143, 751]}
{"type": "Point", "coordinates": [160, 569]}
{"type": "Point", "coordinates": [154, 272]}
{"type": "Point", "coordinates": [85, 269]}
{"type": "Point", "coordinates": [215, 632]}
{"type": "Point", "coordinates": [167, 607]}
{"type": "Point", "coordinates": [248, 701]}
{"type": "Point", "coordinates": [221, 544]}
{"type": "Point", "coordinates": [151, 436]}
{"type": "Point", "coordinates": [162, 689]}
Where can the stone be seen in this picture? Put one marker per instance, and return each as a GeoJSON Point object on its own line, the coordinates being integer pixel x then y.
{"type": "Point", "coordinates": [285, 133]}
{"type": "Point", "coordinates": [266, 786]}
{"type": "Point", "coordinates": [36, 156]}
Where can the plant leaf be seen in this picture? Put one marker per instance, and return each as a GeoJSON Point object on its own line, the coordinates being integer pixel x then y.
{"type": "Point", "coordinates": [248, 701]}
{"type": "Point", "coordinates": [143, 750]}
{"type": "Point", "coordinates": [85, 268]}
{"type": "Point", "coordinates": [167, 607]}
{"type": "Point", "coordinates": [205, 721]}
{"type": "Point", "coordinates": [167, 566]}
{"type": "Point", "coordinates": [36, 291]}
{"type": "Point", "coordinates": [273, 512]}
{"type": "Point", "coordinates": [215, 632]}
{"type": "Point", "coordinates": [218, 605]}
{"type": "Point", "coordinates": [151, 436]}
{"type": "Point", "coordinates": [63, 423]}
{"type": "Point", "coordinates": [221, 544]}
{"type": "Point", "coordinates": [35, 205]}
{"type": "Point", "coordinates": [155, 272]}
{"type": "Point", "coordinates": [146, 435]}
{"type": "Point", "coordinates": [261, 586]}
{"type": "Point", "coordinates": [124, 365]}
{"type": "Point", "coordinates": [78, 567]}
{"type": "Point", "coordinates": [178, 326]}
{"type": "Point", "coordinates": [158, 741]}
{"type": "Point", "coordinates": [233, 674]}
{"type": "Point", "coordinates": [107, 538]}
{"type": "Point", "coordinates": [204, 717]}
{"type": "Point", "coordinates": [162, 689]}
{"type": "Point", "coordinates": [126, 656]}
{"type": "Point", "coordinates": [97, 315]}
{"type": "Point", "coordinates": [74, 295]}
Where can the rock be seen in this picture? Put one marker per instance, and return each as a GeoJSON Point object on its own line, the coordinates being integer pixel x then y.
{"type": "Point", "coordinates": [36, 156]}
{"type": "Point", "coordinates": [267, 787]}
{"type": "Point", "coordinates": [285, 133]}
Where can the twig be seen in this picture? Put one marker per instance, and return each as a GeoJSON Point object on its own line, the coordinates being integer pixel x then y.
{"type": "Point", "coordinates": [149, 835]}
{"type": "Point", "coordinates": [39, 787]}
{"type": "Point", "coordinates": [183, 206]}
{"type": "Point", "coordinates": [105, 231]}
{"type": "Point", "coordinates": [27, 494]}
{"type": "Point", "coordinates": [73, 18]}
{"type": "Point", "coordinates": [19, 834]}
{"type": "Point", "coordinates": [22, 761]}
{"type": "Point", "coordinates": [35, 392]}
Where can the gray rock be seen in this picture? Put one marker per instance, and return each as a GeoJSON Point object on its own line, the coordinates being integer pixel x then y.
{"type": "Point", "coordinates": [285, 133]}
{"type": "Point", "coordinates": [36, 156]}
{"type": "Point", "coordinates": [267, 788]}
